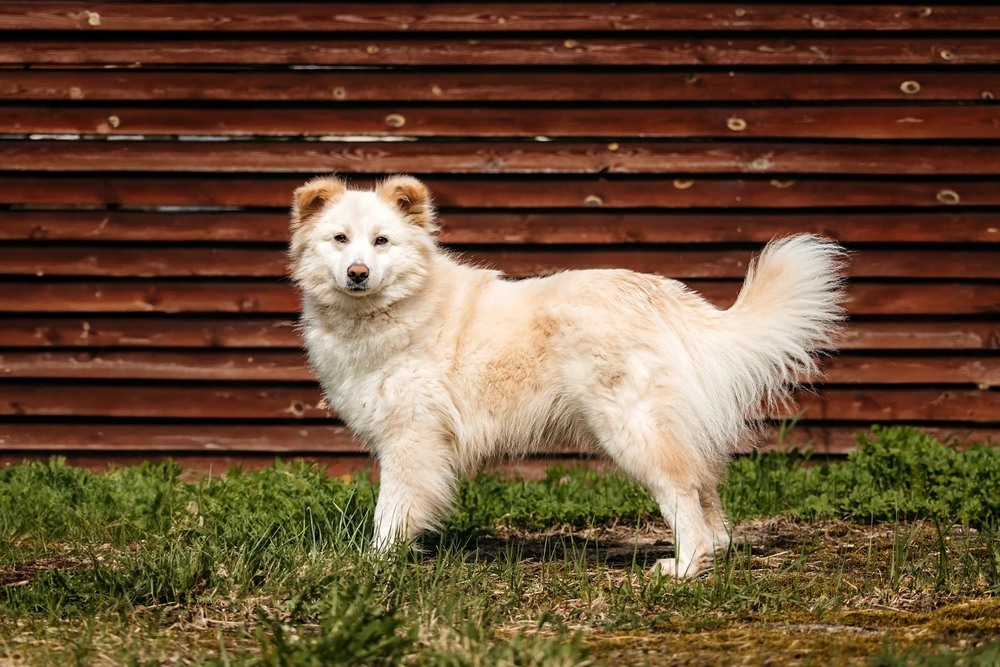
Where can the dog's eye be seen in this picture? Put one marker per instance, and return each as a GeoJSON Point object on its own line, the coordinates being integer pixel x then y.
{"type": "Point", "coordinates": [381, 240]}
{"type": "Point", "coordinates": [340, 238]}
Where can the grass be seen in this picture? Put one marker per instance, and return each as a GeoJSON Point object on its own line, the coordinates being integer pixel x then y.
{"type": "Point", "coordinates": [889, 558]}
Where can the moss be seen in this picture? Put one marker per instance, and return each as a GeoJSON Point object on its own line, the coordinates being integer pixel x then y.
{"type": "Point", "coordinates": [750, 644]}
{"type": "Point", "coordinates": [848, 637]}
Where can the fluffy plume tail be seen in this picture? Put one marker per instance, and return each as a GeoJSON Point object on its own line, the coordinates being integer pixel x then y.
{"type": "Point", "coordinates": [786, 314]}
{"type": "Point", "coordinates": [787, 311]}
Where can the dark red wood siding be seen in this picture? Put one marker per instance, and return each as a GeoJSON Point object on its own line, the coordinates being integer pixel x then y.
{"type": "Point", "coordinates": [148, 151]}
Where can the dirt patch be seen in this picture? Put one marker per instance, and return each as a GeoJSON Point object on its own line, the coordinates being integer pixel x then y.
{"type": "Point", "coordinates": [621, 546]}
{"type": "Point", "coordinates": [22, 573]}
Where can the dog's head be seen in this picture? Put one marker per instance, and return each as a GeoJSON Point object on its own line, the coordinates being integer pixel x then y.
{"type": "Point", "coordinates": [361, 244]}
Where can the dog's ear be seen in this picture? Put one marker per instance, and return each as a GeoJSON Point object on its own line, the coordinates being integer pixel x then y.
{"type": "Point", "coordinates": [313, 196]}
{"type": "Point", "coordinates": [411, 198]}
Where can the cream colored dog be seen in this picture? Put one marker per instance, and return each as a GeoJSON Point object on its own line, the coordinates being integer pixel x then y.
{"type": "Point", "coordinates": [438, 366]}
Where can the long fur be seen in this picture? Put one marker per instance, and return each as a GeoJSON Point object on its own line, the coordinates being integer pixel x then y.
{"type": "Point", "coordinates": [438, 366]}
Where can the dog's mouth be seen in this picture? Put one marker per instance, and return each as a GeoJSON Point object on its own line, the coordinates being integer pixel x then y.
{"type": "Point", "coordinates": [344, 284]}
{"type": "Point", "coordinates": [358, 289]}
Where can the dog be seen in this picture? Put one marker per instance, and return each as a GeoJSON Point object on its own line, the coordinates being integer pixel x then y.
{"type": "Point", "coordinates": [438, 366]}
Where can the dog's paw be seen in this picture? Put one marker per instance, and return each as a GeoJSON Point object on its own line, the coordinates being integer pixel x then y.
{"type": "Point", "coordinates": [675, 568]}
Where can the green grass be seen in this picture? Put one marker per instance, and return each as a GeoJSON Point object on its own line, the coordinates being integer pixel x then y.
{"type": "Point", "coordinates": [890, 557]}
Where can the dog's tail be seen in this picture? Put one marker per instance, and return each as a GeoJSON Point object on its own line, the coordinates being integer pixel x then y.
{"type": "Point", "coordinates": [786, 314]}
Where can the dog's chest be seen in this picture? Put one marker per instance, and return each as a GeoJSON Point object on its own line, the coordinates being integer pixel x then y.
{"type": "Point", "coordinates": [373, 382]}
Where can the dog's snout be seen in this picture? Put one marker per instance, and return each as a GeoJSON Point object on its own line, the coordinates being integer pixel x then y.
{"type": "Point", "coordinates": [358, 273]}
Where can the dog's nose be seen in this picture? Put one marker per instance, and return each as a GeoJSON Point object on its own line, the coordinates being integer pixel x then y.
{"type": "Point", "coordinates": [357, 273]}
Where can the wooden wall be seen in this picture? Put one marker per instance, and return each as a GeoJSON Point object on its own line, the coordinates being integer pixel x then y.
{"type": "Point", "coordinates": [148, 151]}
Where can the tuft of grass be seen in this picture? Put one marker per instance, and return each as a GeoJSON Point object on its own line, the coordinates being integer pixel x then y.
{"type": "Point", "coordinates": [894, 473]}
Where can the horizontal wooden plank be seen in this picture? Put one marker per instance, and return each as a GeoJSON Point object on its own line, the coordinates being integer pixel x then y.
{"type": "Point", "coordinates": [144, 441]}
{"type": "Point", "coordinates": [197, 332]}
{"type": "Point", "coordinates": [208, 401]}
{"type": "Point", "coordinates": [537, 191]}
{"type": "Point", "coordinates": [497, 17]}
{"type": "Point", "coordinates": [202, 296]}
{"type": "Point", "coordinates": [542, 51]}
{"type": "Point", "coordinates": [249, 365]}
{"type": "Point", "coordinates": [106, 225]}
{"type": "Point", "coordinates": [149, 262]}
{"type": "Point", "coordinates": [684, 262]}
{"type": "Point", "coordinates": [917, 335]}
{"type": "Point", "coordinates": [910, 405]}
{"type": "Point", "coordinates": [982, 370]}
{"type": "Point", "coordinates": [120, 85]}
{"type": "Point", "coordinates": [149, 297]}
{"type": "Point", "coordinates": [502, 158]}
{"type": "Point", "coordinates": [855, 122]}
{"type": "Point", "coordinates": [329, 438]}
{"type": "Point", "coordinates": [279, 332]}
{"type": "Point", "coordinates": [241, 402]}
{"type": "Point", "coordinates": [486, 227]}
{"type": "Point", "coordinates": [196, 466]}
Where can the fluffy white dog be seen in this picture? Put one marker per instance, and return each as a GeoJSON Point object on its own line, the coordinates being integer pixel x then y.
{"type": "Point", "coordinates": [438, 366]}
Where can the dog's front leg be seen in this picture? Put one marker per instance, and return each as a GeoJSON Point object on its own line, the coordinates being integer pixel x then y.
{"type": "Point", "coordinates": [416, 489]}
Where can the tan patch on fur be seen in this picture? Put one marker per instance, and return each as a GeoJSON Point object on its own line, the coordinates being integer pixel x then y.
{"type": "Point", "coordinates": [411, 198]}
{"type": "Point", "coordinates": [545, 326]}
{"type": "Point", "coordinates": [313, 196]}
{"type": "Point", "coordinates": [519, 369]}
{"type": "Point", "coordinates": [511, 375]}
{"type": "Point", "coordinates": [679, 463]}
{"type": "Point", "coordinates": [307, 201]}
{"type": "Point", "coordinates": [611, 380]}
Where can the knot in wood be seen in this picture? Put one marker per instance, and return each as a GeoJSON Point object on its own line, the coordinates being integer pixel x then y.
{"type": "Point", "coordinates": [395, 120]}
{"type": "Point", "coordinates": [683, 183]}
{"type": "Point", "coordinates": [910, 87]}
{"type": "Point", "coordinates": [736, 124]}
{"type": "Point", "coordinates": [948, 197]}
{"type": "Point", "coordinates": [593, 201]}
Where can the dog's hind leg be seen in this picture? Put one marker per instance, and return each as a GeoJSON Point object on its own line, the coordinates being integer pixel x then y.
{"type": "Point", "coordinates": [715, 516]}
{"type": "Point", "coordinates": [681, 508]}
{"type": "Point", "coordinates": [674, 476]}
